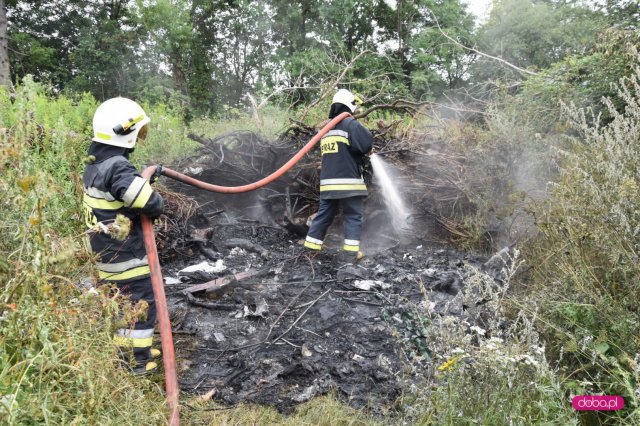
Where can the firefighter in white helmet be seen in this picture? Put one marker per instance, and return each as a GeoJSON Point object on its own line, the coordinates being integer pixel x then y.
{"type": "Point", "coordinates": [113, 186]}
{"type": "Point", "coordinates": [341, 182]}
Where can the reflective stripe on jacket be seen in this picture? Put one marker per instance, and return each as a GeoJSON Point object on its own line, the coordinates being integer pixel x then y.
{"type": "Point", "coordinates": [113, 186]}
{"type": "Point", "coordinates": [342, 150]}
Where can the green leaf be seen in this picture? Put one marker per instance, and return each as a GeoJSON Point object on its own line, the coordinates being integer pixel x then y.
{"type": "Point", "coordinates": [602, 347]}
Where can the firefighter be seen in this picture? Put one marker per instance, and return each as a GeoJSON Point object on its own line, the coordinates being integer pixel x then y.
{"type": "Point", "coordinates": [113, 186]}
{"type": "Point", "coordinates": [343, 150]}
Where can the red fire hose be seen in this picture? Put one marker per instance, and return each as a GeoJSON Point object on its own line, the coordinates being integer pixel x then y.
{"type": "Point", "coordinates": [168, 353]}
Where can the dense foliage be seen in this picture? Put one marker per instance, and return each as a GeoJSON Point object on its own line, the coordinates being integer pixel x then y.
{"type": "Point", "coordinates": [211, 54]}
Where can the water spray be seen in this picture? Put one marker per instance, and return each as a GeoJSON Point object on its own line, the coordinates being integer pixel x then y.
{"type": "Point", "coordinates": [396, 207]}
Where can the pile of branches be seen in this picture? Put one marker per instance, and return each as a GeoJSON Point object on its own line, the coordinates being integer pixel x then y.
{"type": "Point", "coordinates": [234, 158]}
{"type": "Point", "coordinates": [173, 227]}
{"type": "Point", "coordinates": [434, 177]}
{"type": "Point", "coordinates": [243, 157]}
{"type": "Point", "coordinates": [435, 183]}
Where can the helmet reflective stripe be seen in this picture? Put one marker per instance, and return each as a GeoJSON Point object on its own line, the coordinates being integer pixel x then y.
{"type": "Point", "coordinates": [122, 129]}
{"type": "Point", "coordinates": [118, 121]}
{"type": "Point", "coordinates": [345, 97]}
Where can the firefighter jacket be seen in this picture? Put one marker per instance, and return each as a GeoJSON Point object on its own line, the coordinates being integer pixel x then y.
{"type": "Point", "coordinates": [343, 149]}
{"type": "Point", "coordinates": [113, 186]}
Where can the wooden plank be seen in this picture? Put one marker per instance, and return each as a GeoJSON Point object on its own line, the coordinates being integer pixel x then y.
{"type": "Point", "coordinates": [220, 283]}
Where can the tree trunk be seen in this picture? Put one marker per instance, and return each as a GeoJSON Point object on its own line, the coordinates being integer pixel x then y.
{"type": "Point", "coordinates": [5, 77]}
{"type": "Point", "coordinates": [400, 30]}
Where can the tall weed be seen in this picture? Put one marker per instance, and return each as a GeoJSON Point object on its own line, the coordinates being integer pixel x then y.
{"type": "Point", "coordinates": [490, 369]}
{"type": "Point", "coordinates": [505, 166]}
{"type": "Point", "coordinates": [586, 265]}
{"type": "Point", "coordinates": [57, 363]}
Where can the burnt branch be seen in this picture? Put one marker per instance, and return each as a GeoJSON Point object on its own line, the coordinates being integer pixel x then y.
{"type": "Point", "coordinates": [397, 105]}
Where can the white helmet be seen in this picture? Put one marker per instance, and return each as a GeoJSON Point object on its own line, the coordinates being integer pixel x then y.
{"type": "Point", "coordinates": [345, 97]}
{"type": "Point", "coordinates": [118, 122]}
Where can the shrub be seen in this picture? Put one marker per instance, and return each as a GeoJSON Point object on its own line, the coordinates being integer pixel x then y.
{"type": "Point", "coordinates": [586, 266]}
{"type": "Point", "coordinates": [490, 370]}
{"type": "Point", "coordinates": [581, 79]}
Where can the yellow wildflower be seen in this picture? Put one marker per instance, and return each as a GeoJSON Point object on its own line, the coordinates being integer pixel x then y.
{"type": "Point", "coordinates": [447, 365]}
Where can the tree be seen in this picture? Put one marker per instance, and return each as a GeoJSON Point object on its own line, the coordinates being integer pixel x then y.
{"type": "Point", "coordinates": [78, 45]}
{"type": "Point", "coordinates": [43, 35]}
{"type": "Point", "coordinates": [436, 63]}
{"type": "Point", "coordinates": [623, 14]}
{"type": "Point", "coordinates": [430, 63]}
{"type": "Point", "coordinates": [5, 76]}
{"type": "Point", "coordinates": [168, 42]}
{"type": "Point", "coordinates": [211, 53]}
{"type": "Point", "coordinates": [104, 61]}
{"type": "Point", "coordinates": [534, 33]}
{"type": "Point", "coordinates": [347, 23]}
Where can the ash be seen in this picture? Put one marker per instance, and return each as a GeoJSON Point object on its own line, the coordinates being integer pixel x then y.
{"type": "Point", "coordinates": [302, 324]}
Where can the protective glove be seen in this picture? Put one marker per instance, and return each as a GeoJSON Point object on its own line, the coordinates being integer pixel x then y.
{"type": "Point", "coordinates": [367, 170]}
{"type": "Point", "coordinates": [156, 174]}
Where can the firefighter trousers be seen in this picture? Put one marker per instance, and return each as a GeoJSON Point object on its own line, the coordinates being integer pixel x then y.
{"type": "Point", "coordinates": [138, 338]}
{"type": "Point", "coordinates": [352, 210]}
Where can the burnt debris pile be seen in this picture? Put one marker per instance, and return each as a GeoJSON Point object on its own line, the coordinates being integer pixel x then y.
{"type": "Point", "coordinates": [295, 325]}
{"type": "Point", "coordinates": [258, 319]}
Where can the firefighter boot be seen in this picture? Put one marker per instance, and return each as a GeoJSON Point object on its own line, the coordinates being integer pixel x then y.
{"type": "Point", "coordinates": [144, 368]}
{"type": "Point", "coordinates": [351, 257]}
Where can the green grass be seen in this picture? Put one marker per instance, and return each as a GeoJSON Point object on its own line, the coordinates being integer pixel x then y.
{"type": "Point", "coordinates": [269, 122]}
{"type": "Point", "coordinates": [167, 138]}
{"type": "Point", "coordinates": [320, 411]}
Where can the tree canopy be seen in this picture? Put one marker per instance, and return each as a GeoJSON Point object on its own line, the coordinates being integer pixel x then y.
{"type": "Point", "coordinates": [208, 54]}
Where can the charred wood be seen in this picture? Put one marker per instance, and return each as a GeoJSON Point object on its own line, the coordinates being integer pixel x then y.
{"type": "Point", "coordinates": [247, 245]}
